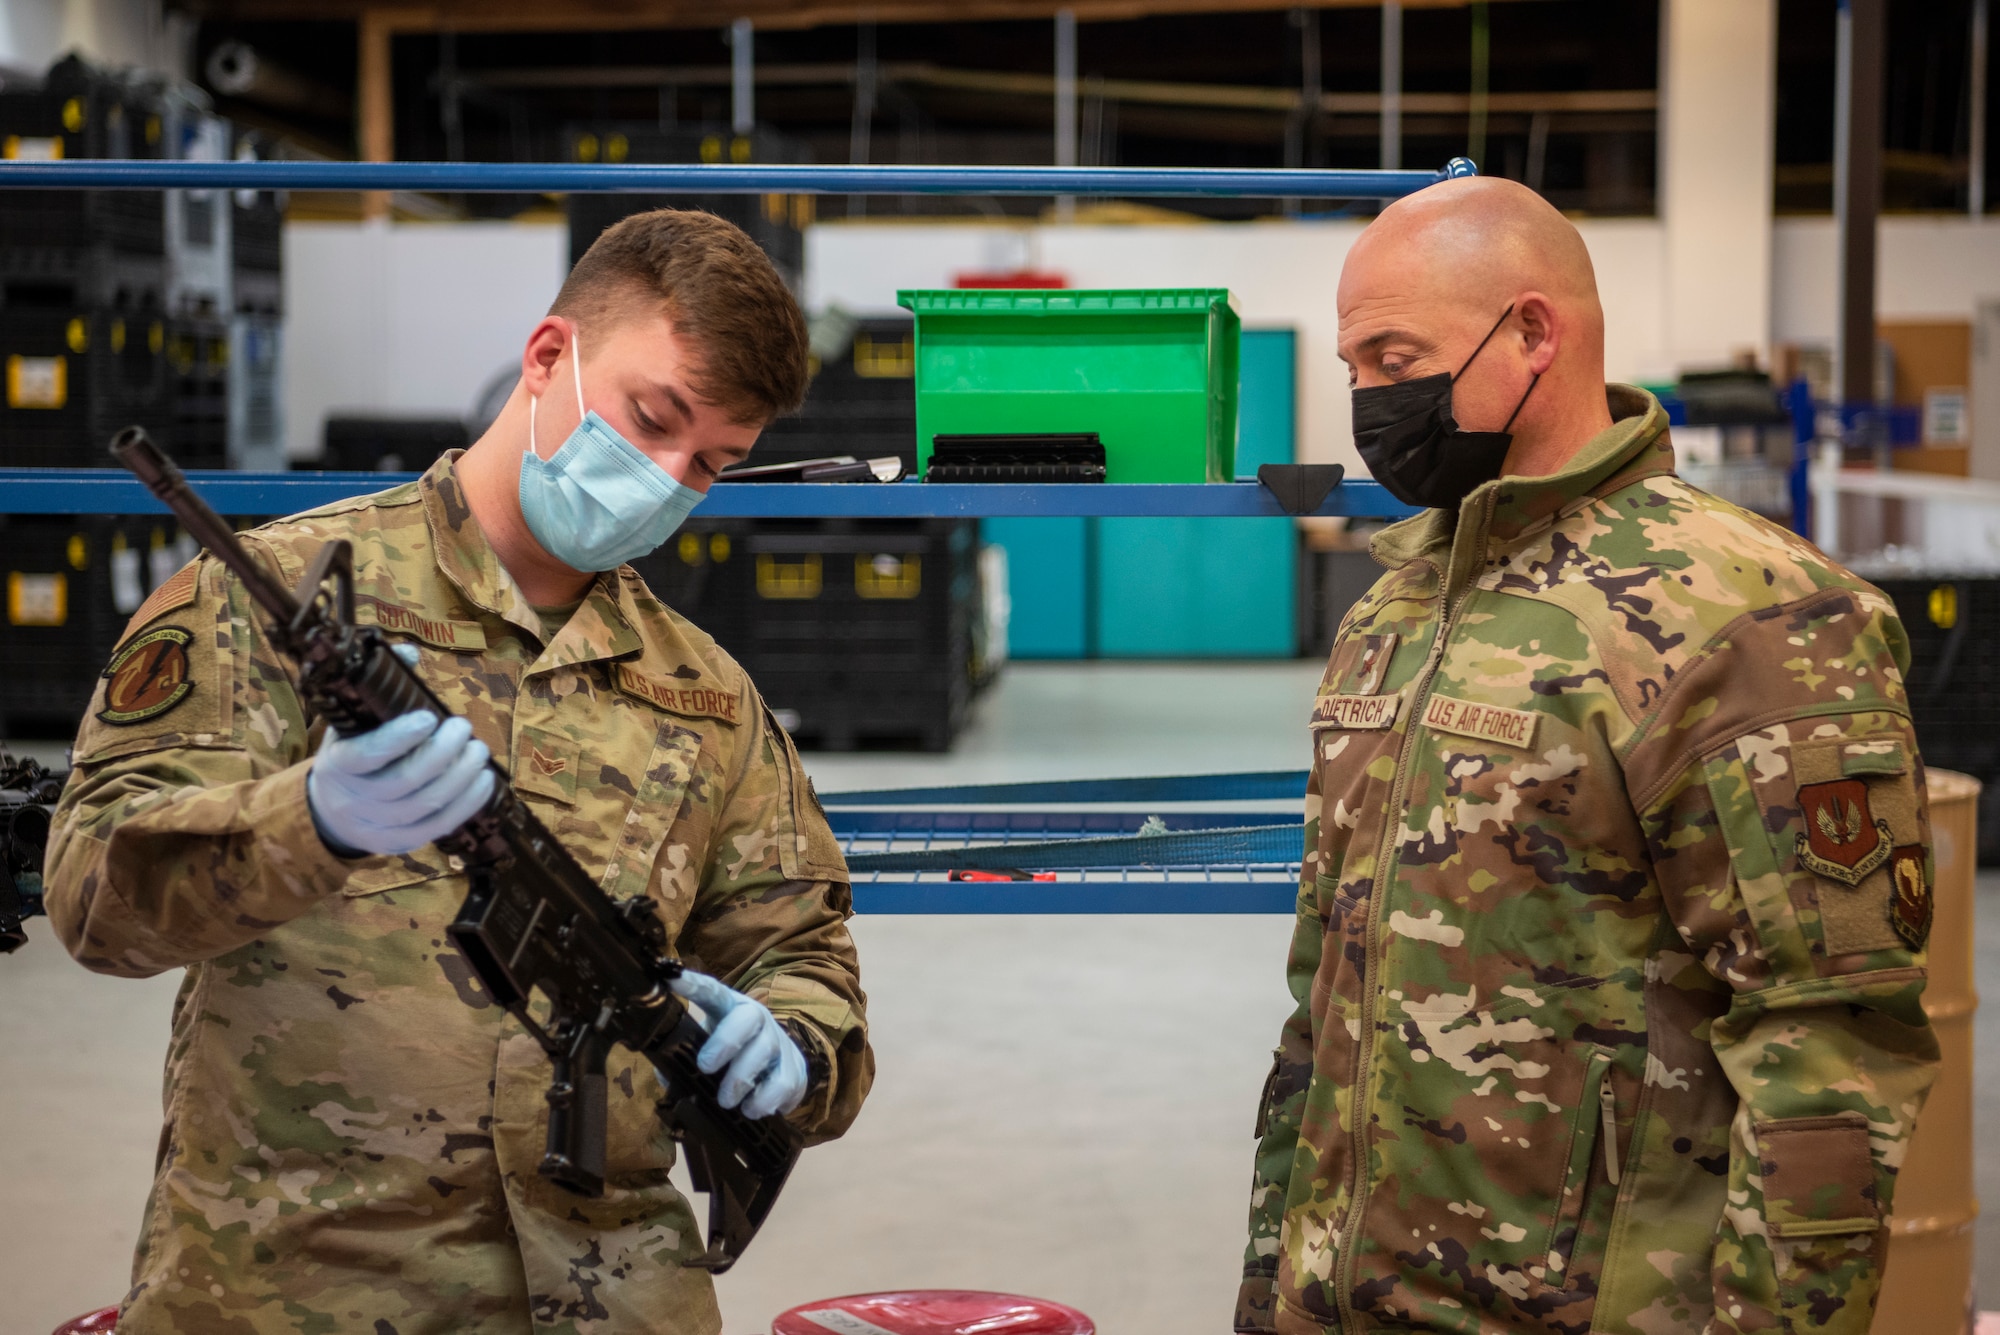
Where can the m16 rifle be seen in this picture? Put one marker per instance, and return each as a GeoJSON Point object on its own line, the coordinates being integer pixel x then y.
{"type": "Point", "coordinates": [533, 918]}
{"type": "Point", "coordinates": [28, 794]}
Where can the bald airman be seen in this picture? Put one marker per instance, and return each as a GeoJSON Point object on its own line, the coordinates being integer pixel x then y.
{"type": "Point", "coordinates": [1611, 926]}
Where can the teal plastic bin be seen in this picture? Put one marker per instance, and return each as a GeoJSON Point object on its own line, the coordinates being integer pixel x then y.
{"type": "Point", "coordinates": [1152, 371]}
{"type": "Point", "coordinates": [1168, 588]}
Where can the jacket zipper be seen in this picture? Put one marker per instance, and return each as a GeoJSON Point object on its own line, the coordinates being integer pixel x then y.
{"type": "Point", "coordinates": [1385, 865]}
{"type": "Point", "coordinates": [1608, 1102]}
{"type": "Point", "coordinates": [1587, 1140]}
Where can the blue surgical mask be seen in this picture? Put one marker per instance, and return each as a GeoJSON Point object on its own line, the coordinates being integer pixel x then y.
{"type": "Point", "coordinates": [598, 502]}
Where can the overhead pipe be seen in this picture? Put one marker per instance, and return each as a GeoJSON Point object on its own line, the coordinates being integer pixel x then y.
{"type": "Point", "coordinates": [724, 178]}
{"type": "Point", "coordinates": [237, 69]}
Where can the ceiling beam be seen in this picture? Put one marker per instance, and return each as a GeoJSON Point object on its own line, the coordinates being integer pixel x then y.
{"type": "Point", "coordinates": [632, 15]}
{"type": "Point", "coordinates": [1042, 86]}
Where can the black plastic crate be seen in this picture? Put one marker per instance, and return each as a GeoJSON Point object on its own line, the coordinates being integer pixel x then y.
{"type": "Point", "coordinates": [197, 432]}
{"type": "Point", "coordinates": [75, 378]}
{"type": "Point", "coordinates": [82, 112]}
{"type": "Point", "coordinates": [1953, 622]}
{"type": "Point", "coordinates": [776, 222]}
{"type": "Point", "coordinates": [858, 632]}
{"type": "Point", "coordinates": [862, 402]}
{"type": "Point", "coordinates": [256, 232]}
{"type": "Point", "coordinates": [381, 444]}
{"type": "Point", "coordinates": [72, 584]}
{"type": "Point", "coordinates": [96, 275]}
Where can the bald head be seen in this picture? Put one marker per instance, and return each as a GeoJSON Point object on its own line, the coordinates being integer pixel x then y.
{"type": "Point", "coordinates": [1431, 276]}
{"type": "Point", "coordinates": [1480, 238]}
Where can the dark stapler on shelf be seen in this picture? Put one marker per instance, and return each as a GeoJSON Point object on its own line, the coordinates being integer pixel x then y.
{"type": "Point", "coordinates": [1073, 456]}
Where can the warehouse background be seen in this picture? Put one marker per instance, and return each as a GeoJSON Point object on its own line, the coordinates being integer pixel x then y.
{"type": "Point", "coordinates": [1070, 1099]}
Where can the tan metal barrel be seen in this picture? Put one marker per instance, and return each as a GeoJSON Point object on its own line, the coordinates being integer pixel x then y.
{"type": "Point", "coordinates": [1928, 1287]}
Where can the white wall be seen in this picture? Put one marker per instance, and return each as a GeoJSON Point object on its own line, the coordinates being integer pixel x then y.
{"type": "Point", "coordinates": [1718, 86]}
{"type": "Point", "coordinates": [407, 318]}
{"type": "Point", "coordinates": [33, 33]}
{"type": "Point", "coordinates": [1928, 268]}
{"type": "Point", "coordinates": [1282, 274]}
{"type": "Point", "coordinates": [416, 317]}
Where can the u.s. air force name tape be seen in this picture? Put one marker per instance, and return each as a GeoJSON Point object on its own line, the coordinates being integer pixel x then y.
{"type": "Point", "coordinates": [1484, 723]}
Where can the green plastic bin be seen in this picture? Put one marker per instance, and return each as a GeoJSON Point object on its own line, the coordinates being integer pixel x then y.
{"type": "Point", "coordinates": [1151, 370]}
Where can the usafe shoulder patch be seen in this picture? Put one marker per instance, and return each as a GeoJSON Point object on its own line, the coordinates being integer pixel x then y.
{"type": "Point", "coordinates": [1355, 711]}
{"type": "Point", "coordinates": [175, 594]}
{"type": "Point", "coordinates": [1485, 723]}
{"type": "Point", "coordinates": [1842, 839]}
{"type": "Point", "coordinates": [675, 698]}
{"type": "Point", "coordinates": [147, 677]}
{"type": "Point", "coordinates": [434, 631]}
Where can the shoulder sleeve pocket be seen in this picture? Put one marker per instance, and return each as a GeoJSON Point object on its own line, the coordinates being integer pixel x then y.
{"type": "Point", "coordinates": [807, 850]}
{"type": "Point", "coordinates": [1828, 837]}
{"type": "Point", "coordinates": [1819, 1178]}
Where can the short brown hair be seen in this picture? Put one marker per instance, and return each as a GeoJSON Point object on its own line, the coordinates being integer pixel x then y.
{"type": "Point", "coordinates": [717, 287]}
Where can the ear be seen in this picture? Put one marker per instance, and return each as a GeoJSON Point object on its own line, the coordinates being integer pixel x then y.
{"type": "Point", "coordinates": [1541, 330]}
{"type": "Point", "coordinates": [545, 347]}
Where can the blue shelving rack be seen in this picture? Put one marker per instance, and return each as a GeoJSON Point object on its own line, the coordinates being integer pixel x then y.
{"type": "Point", "coordinates": [1234, 888]}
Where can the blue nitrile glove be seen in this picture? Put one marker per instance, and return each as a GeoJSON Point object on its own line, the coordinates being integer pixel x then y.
{"type": "Point", "coordinates": [395, 788]}
{"type": "Point", "coordinates": [767, 1072]}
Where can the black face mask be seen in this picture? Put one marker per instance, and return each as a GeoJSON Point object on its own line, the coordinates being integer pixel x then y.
{"type": "Point", "coordinates": [1413, 446]}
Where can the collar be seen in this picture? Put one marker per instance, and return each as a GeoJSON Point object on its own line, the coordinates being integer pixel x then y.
{"type": "Point", "coordinates": [1634, 446]}
{"type": "Point", "coordinates": [603, 627]}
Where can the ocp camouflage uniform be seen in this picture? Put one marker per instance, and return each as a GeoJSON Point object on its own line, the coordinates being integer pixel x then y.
{"type": "Point", "coordinates": [1609, 945]}
{"type": "Point", "coordinates": [352, 1126]}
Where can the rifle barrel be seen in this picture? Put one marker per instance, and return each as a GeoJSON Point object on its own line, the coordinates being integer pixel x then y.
{"type": "Point", "coordinates": [135, 450]}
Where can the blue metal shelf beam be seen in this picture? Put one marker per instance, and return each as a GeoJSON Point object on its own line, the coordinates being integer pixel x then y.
{"type": "Point", "coordinates": [1150, 896]}
{"type": "Point", "coordinates": [108, 491]}
{"type": "Point", "coordinates": [724, 178]}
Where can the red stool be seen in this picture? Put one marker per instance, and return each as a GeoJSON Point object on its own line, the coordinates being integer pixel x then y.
{"type": "Point", "coordinates": [104, 1321]}
{"type": "Point", "coordinates": [933, 1312]}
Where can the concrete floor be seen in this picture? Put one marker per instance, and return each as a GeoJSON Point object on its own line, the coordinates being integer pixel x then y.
{"type": "Point", "coordinates": [1064, 1104]}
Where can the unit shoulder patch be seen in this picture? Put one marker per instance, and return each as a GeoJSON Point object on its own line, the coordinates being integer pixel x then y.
{"type": "Point", "coordinates": [147, 677]}
{"type": "Point", "coordinates": [171, 596]}
{"type": "Point", "coordinates": [1484, 723]}
{"type": "Point", "coordinates": [1842, 840]}
{"type": "Point", "coordinates": [692, 701]}
{"type": "Point", "coordinates": [1910, 910]}
{"type": "Point", "coordinates": [1356, 711]}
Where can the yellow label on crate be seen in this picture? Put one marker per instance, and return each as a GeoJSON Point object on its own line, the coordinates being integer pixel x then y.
{"type": "Point", "coordinates": [37, 382]}
{"type": "Point", "coordinates": [889, 359]}
{"type": "Point", "coordinates": [36, 599]}
{"type": "Point", "coordinates": [886, 575]}
{"type": "Point", "coordinates": [782, 578]}
{"type": "Point", "coordinates": [28, 148]}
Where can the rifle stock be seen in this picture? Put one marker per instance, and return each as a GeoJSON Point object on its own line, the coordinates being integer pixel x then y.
{"type": "Point", "coordinates": [533, 919]}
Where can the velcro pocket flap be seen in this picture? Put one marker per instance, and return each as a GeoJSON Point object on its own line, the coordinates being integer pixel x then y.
{"type": "Point", "coordinates": [1874, 755]}
{"type": "Point", "coordinates": [1819, 1177]}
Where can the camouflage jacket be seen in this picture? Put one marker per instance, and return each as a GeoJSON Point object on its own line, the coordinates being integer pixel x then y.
{"type": "Point", "coordinates": [1609, 945]}
{"type": "Point", "coordinates": [352, 1127]}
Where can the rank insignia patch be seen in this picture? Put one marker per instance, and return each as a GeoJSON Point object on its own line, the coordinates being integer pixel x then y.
{"type": "Point", "coordinates": [1910, 910]}
{"type": "Point", "coordinates": [147, 677]}
{"type": "Point", "coordinates": [1842, 840]}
